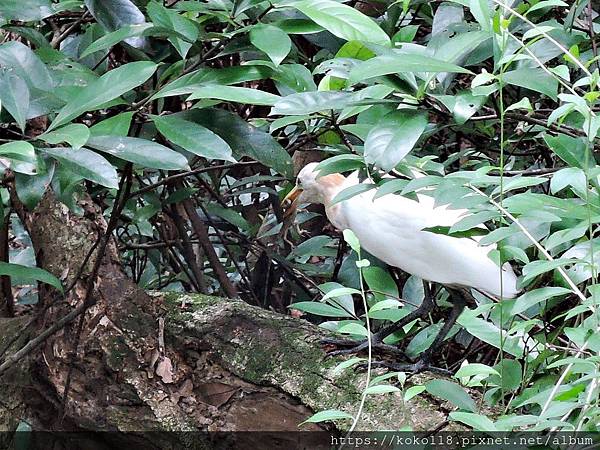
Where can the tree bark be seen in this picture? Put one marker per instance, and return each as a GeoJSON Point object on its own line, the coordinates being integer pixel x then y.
{"type": "Point", "coordinates": [169, 362]}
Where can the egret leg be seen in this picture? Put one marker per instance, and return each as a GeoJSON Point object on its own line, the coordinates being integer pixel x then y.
{"type": "Point", "coordinates": [377, 339]}
{"type": "Point", "coordinates": [423, 364]}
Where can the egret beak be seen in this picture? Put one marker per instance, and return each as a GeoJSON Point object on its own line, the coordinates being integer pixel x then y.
{"type": "Point", "coordinates": [290, 202]}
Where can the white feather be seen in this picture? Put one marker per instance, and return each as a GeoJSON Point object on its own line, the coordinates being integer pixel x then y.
{"type": "Point", "coordinates": [391, 228]}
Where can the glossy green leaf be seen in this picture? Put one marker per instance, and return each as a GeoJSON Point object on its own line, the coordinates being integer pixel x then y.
{"type": "Point", "coordinates": [271, 40]}
{"type": "Point", "coordinates": [139, 151]}
{"type": "Point", "coordinates": [236, 94]}
{"type": "Point", "coordinates": [478, 422]}
{"type": "Point", "coordinates": [343, 21]}
{"type": "Point", "coordinates": [30, 274]}
{"type": "Point", "coordinates": [352, 191]}
{"type": "Point", "coordinates": [533, 79]}
{"type": "Point", "coordinates": [472, 369]}
{"type": "Point", "coordinates": [330, 414]}
{"type": "Point", "coordinates": [339, 163]}
{"type": "Point", "coordinates": [451, 392]}
{"type": "Point", "coordinates": [106, 88]}
{"type": "Point", "coordinates": [170, 19]}
{"type": "Point", "coordinates": [115, 126]}
{"type": "Point", "coordinates": [25, 64]}
{"type": "Point", "coordinates": [14, 97]}
{"type": "Point", "coordinates": [18, 150]}
{"type": "Point", "coordinates": [320, 309]}
{"type": "Point", "coordinates": [405, 63]}
{"type": "Point", "coordinates": [413, 391]}
{"type": "Point", "coordinates": [116, 14]}
{"type": "Point", "coordinates": [531, 298]}
{"type": "Point", "coordinates": [188, 83]}
{"type": "Point", "coordinates": [87, 164]}
{"type": "Point", "coordinates": [26, 10]}
{"type": "Point", "coordinates": [311, 102]}
{"type": "Point", "coordinates": [113, 38]}
{"type": "Point", "coordinates": [193, 137]}
{"type": "Point", "coordinates": [571, 150]}
{"type": "Point", "coordinates": [394, 137]}
{"type": "Point", "coordinates": [381, 389]}
{"type": "Point", "coordinates": [380, 282]}
{"type": "Point", "coordinates": [244, 139]}
{"type": "Point", "coordinates": [75, 134]}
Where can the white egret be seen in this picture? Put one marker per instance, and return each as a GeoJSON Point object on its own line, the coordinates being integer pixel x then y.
{"type": "Point", "coordinates": [391, 228]}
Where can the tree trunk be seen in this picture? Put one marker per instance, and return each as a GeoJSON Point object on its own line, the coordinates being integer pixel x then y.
{"type": "Point", "coordinates": [168, 362]}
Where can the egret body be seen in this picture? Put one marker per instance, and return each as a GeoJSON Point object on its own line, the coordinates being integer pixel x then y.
{"type": "Point", "coordinates": [391, 228]}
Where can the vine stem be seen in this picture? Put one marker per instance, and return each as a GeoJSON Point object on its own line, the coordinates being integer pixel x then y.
{"type": "Point", "coordinates": [370, 351]}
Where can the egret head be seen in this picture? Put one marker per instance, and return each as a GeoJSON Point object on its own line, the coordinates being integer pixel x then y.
{"type": "Point", "coordinates": [313, 188]}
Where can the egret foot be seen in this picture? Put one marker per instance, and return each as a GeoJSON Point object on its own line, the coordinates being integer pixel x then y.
{"type": "Point", "coordinates": [417, 367]}
{"type": "Point", "coordinates": [360, 346]}
{"type": "Point", "coordinates": [377, 339]}
{"type": "Point", "coordinates": [422, 365]}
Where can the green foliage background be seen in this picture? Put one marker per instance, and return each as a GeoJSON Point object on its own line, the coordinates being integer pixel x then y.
{"type": "Point", "coordinates": [485, 105]}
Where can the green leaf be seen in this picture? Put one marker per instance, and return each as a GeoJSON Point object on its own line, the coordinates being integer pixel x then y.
{"type": "Point", "coordinates": [330, 414]}
{"type": "Point", "coordinates": [352, 240]}
{"type": "Point", "coordinates": [472, 369]}
{"type": "Point", "coordinates": [139, 151]}
{"type": "Point", "coordinates": [271, 40]}
{"type": "Point", "coordinates": [113, 38]}
{"type": "Point", "coordinates": [385, 304]}
{"type": "Point", "coordinates": [228, 214]}
{"type": "Point", "coordinates": [412, 392]}
{"type": "Point", "coordinates": [394, 137]}
{"type": "Point", "coordinates": [405, 63]}
{"type": "Point", "coordinates": [186, 84]}
{"type": "Point", "coordinates": [547, 4]}
{"type": "Point", "coordinates": [535, 268]}
{"type": "Point", "coordinates": [25, 64]}
{"type": "Point", "coordinates": [379, 280]}
{"type": "Point", "coordinates": [26, 10]}
{"type": "Point", "coordinates": [106, 88]}
{"type": "Point", "coordinates": [311, 102]}
{"type": "Point", "coordinates": [481, 12]}
{"type": "Point", "coordinates": [353, 328]}
{"type": "Point", "coordinates": [488, 332]}
{"type": "Point", "coordinates": [116, 126]}
{"type": "Point", "coordinates": [509, 374]}
{"type": "Point", "coordinates": [476, 421]}
{"type": "Point", "coordinates": [340, 292]}
{"type": "Point", "coordinates": [29, 274]}
{"type": "Point", "coordinates": [451, 392]}
{"type": "Point", "coordinates": [75, 134]}
{"type": "Point", "coordinates": [351, 191]}
{"type": "Point", "coordinates": [87, 164]}
{"type": "Point", "coordinates": [19, 151]}
{"type": "Point", "coordinates": [343, 21]}
{"type": "Point", "coordinates": [570, 176]}
{"type": "Point", "coordinates": [172, 20]}
{"type": "Point", "coordinates": [533, 79]}
{"type": "Point", "coordinates": [236, 94]}
{"type": "Point", "coordinates": [346, 364]}
{"type": "Point", "coordinates": [339, 163]}
{"type": "Point", "coordinates": [244, 139]}
{"type": "Point", "coordinates": [193, 137]}
{"type": "Point", "coordinates": [571, 150]}
{"type": "Point", "coordinates": [531, 298]}
{"type": "Point", "coordinates": [113, 15]}
{"type": "Point", "coordinates": [346, 302]}
{"type": "Point", "coordinates": [381, 389]}
{"type": "Point", "coordinates": [14, 97]}
{"type": "Point", "coordinates": [473, 220]}
{"type": "Point", "coordinates": [320, 309]}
